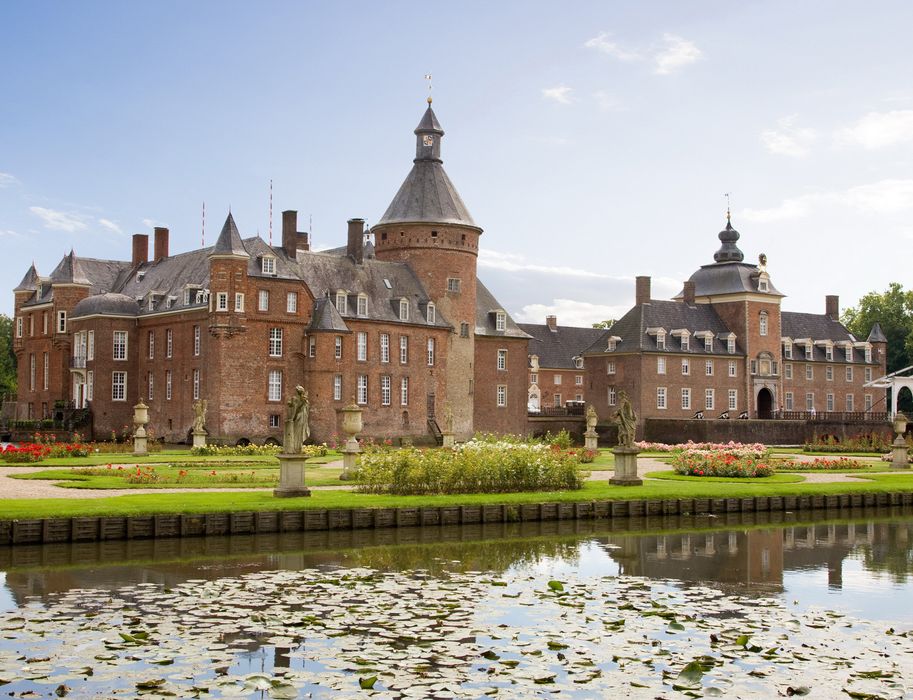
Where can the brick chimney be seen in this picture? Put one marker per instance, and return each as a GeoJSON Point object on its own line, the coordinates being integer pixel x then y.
{"type": "Point", "coordinates": [832, 306]}
{"type": "Point", "coordinates": [161, 243]}
{"type": "Point", "coordinates": [688, 293]}
{"type": "Point", "coordinates": [552, 323]}
{"type": "Point", "coordinates": [641, 290]}
{"type": "Point", "coordinates": [290, 233]}
{"type": "Point", "coordinates": [140, 248]}
{"type": "Point", "coordinates": [355, 248]}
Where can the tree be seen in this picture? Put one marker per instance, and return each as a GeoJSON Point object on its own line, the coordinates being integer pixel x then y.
{"type": "Point", "coordinates": [7, 358]}
{"type": "Point", "coordinates": [893, 310]}
{"type": "Point", "coordinates": [608, 323]}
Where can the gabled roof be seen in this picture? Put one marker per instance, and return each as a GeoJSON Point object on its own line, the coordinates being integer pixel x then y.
{"type": "Point", "coordinates": [29, 283]}
{"type": "Point", "coordinates": [668, 315]}
{"type": "Point", "coordinates": [557, 349]}
{"type": "Point", "coordinates": [229, 242]}
{"type": "Point", "coordinates": [327, 318]}
{"type": "Point", "coordinates": [485, 319]}
{"type": "Point", "coordinates": [876, 335]}
{"type": "Point", "coordinates": [795, 324]}
{"type": "Point", "coordinates": [69, 271]}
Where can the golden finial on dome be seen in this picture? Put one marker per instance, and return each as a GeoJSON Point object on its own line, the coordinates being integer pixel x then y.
{"type": "Point", "coordinates": [428, 78]}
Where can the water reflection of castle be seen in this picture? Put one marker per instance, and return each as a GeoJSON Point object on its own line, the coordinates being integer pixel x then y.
{"type": "Point", "coordinates": [760, 557]}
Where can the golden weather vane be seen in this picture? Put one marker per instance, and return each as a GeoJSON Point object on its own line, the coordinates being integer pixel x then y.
{"type": "Point", "coordinates": [428, 78]}
{"type": "Point", "coordinates": [726, 195]}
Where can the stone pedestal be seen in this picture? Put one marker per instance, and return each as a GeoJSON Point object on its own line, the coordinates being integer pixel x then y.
{"type": "Point", "coordinates": [626, 467]}
{"type": "Point", "coordinates": [448, 440]}
{"type": "Point", "coordinates": [139, 442]}
{"type": "Point", "coordinates": [590, 438]}
{"type": "Point", "coordinates": [199, 438]}
{"type": "Point", "coordinates": [348, 462]}
{"type": "Point", "coordinates": [291, 477]}
{"type": "Point", "coordinates": [899, 459]}
{"type": "Point", "coordinates": [351, 426]}
{"type": "Point", "coordinates": [140, 418]}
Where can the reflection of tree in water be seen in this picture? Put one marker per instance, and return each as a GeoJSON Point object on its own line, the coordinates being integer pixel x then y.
{"type": "Point", "coordinates": [890, 551]}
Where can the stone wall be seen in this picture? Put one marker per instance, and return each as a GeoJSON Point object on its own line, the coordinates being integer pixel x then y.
{"type": "Point", "coordinates": [770, 432]}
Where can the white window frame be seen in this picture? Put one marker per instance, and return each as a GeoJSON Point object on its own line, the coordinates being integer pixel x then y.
{"type": "Point", "coordinates": [90, 385]}
{"type": "Point", "coordinates": [611, 396]}
{"type": "Point", "coordinates": [610, 367]}
{"type": "Point", "coordinates": [239, 302]}
{"type": "Point", "coordinates": [763, 324]}
{"type": "Point", "coordinates": [312, 346]}
{"type": "Point", "coordinates": [275, 342]}
{"type": "Point", "coordinates": [119, 382]}
{"type": "Point", "coordinates": [430, 352]}
{"type": "Point", "coordinates": [556, 379]}
{"type": "Point", "coordinates": [730, 345]}
{"type": "Point", "coordinates": [337, 387]}
{"type": "Point", "coordinates": [361, 305]}
{"type": "Point", "coordinates": [263, 300]}
{"type": "Point", "coordinates": [47, 371]}
{"type": "Point", "coordinates": [686, 398]}
{"type": "Point", "coordinates": [404, 349]}
{"type": "Point", "coordinates": [268, 265]}
{"type": "Point", "coordinates": [385, 348]}
{"type": "Point", "coordinates": [196, 383]}
{"type": "Point", "coordinates": [789, 401]}
{"type": "Point", "coordinates": [337, 347]}
{"type": "Point", "coordinates": [453, 284]}
{"type": "Point", "coordinates": [119, 350]}
{"type": "Point", "coordinates": [849, 373]}
{"type": "Point", "coordinates": [709, 399]}
{"type": "Point", "coordinates": [291, 302]}
{"type": "Point", "coordinates": [32, 372]}
{"type": "Point", "coordinates": [829, 372]}
{"type": "Point", "coordinates": [850, 403]}
{"type": "Point", "coordinates": [708, 368]}
{"type": "Point", "coordinates": [500, 321]}
{"type": "Point", "coordinates": [733, 368]}
{"type": "Point", "coordinates": [168, 387]}
{"type": "Point", "coordinates": [61, 321]}
{"type": "Point", "coordinates": [829, 403]}
{"type": "Point", "coordinates": [788, 370]}
{"type": "Point", "coordinates": [809, 401]}
{"type": "Point", "coordinates": [708, 343]}
{"type": "Point", "coordinates": [18, 326]}
{"type": "Point", "coordinates": [362, 395]}
{"type": "Point", "coordinates": [196, 341]}
{"type": "Point", "coordinates": [660, 365]}
{"type": "Point", "coordinates": [661, 398]}
{"type": "Point", "coordinates": [431, 313]}
{"type": "Point", "coordinates": [403, 309]}
{"type": "Point", "coordinates": [274, 385]}
{"type": "Point", "coordinates": [342, 303]}
{"type": "Point", "coordinates": [788, 350]}
{"type": "Point", "coordinates": [502, 395]}
{"type": "Point", "coordinates": [222, 301]}
{"type": "Point", "coordinates": [404, 391]}
{"type": "Point", "coordinates": [502, 360]}
{"type": "Point", "coordinates": [361, 352]}
{"type": "Point", "coordinates": [578, 380]}
{"type": "Point", "coordinates": [809, 373]}
{"type": "Point", "coordinates": [868, 374]}
{"type": "Point", "coordinates": [169, 343]}
{"type": "Point", "coordinates": [867, 402]}
{"type": "Point", "coordinates": [150, 386]}
{"type": "Point", "coordinates": [868, 354]}
{"type": "Point", "coordinates": [151, 340]}
{"type": "Point", "coordinates": [686, 367]}
{"type": "Point", "coordinates": [733, 399]}
{"type": "Point", "coordinates": [385, 390]}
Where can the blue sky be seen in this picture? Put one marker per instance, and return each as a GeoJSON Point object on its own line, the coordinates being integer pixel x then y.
{"type": "Point", "coordinates": [593, 141]}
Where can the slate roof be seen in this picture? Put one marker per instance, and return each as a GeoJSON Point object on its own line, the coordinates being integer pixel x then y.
{"type": "Point", "coordinates": [100, 275]}
{"type": "Point", "coordinates": [109, 303]}
{"type": "Point", "coordinates": [229, 241]}
{"type": "Point", "coordinates": [727, 278]}
{"type": "Point", "coordinates": [796, 325]}
{"type": "Point", "coordinates": [69, 271]}
{"type": "Point", "coordinates": [557, 349]}
{"type": "Point", "coordinates": [876, 335]}
{"type": "Point", "coordinates": [486, 305]}
{"type": "Point", "coordinates": [326, 318]}
{"type": "Point", "coordinates": [668, 315]}
{"type": "Point", "coordinates": [29, 282]}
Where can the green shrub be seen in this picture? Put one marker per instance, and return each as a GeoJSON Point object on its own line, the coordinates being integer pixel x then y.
{"type": "Point", "coordinates": [235, 450]}
{"type": "Point", "coordinates": [871, 442]}
{"type": "Point", "coordinates": [562, 440]}
{"type": "Point", "coordinates": [475, 467]}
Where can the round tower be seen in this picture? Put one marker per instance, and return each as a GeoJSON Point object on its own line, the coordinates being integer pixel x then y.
{"type": "Point", "coordinates": [428, 227]}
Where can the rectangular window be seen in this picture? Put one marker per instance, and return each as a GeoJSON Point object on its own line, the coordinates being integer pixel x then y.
{"type": "Point", "coordinates": [431, 313]}
{"type": "Point", "coordinates": [404, 391]}
{"type": "Point", "coordinates": [733, 399]}
{"type": "Point", "coordinates": [808, 351]}
{"type": "Point", "coordinates": [849, 403]}
{"type": "Point", "coordinates": [18, 326]}
{"type": "Point", "coordinates": [362, 308]}
{"type": "Point", "coordinates": [273, 420]}
{"type": "Point", "coordinates": [686, 367]}
{"type": "Point", "coordinates": [403, 310]}
{"type": "Point", "coordinates": [788, 371]}
{"type": "Point", "coordinates": [32, 372]}
{"type": "Point", "coordinates": [661, 397]}
{"type": "Point", "coordinates": [849, 354]}
{"type": "Point", "coordinates": [31, 324]}
{"type": "Point", "coordinates": [275, 342]}
{"type": "Point", "coordinates": [708, 343]}
{"type": "Point", "coordinates": [533, 377]}
{"type": "Point", "coordinates": [849, 374]}
{"type": "Point", "coordinates": [151, 336]}
{"type": "Point", "coordinates": [61, 321]}
{"type": "Point", "coordinates": [809, 402]}
{"type": "Point", "coordinates": [829, 403]}
{"type": "Point", "coordinates": [337, 387]}
{"type": "Point", "coordinates": [868, 374]}
{"type": "Point", "coordinates": [337, 347]}
{"type": "Point", "coordinates": [502, 395]}
{"type": "Point", "coordinates": [151, 387]}
{"type": "Point", "coordinates": [660, 365]}
{"type": "Point", "coordinates": [789, 401]}
{"type": "Point", "coordinates": [762, 324]}
{"type": "Point", "coordinates": [118, 386]}
{"type": "Point", "coordinates": [47, 370]}
{"type": "Point", "coordinates": [44, 322]}
{"type": "Point", "coordinates": [384, 347]}
{"type": "Point", "coordinates": [610, 367]}
{"type": "Point", "coordinates": [403, 349]}
{"type": "Point", "coordinates": [686, 399]}
{"type": "Point", "coordinates": [385, 390]}
{"type": "Point", "coordinates": [557, 380]}
{"type": "Point", "coordinates": [867, 402]}
{"type": "Point", "coordinates": [868, 354]}
{"type": "Point", "coordinates": [708, 368]}
{"type": "Point", "coordinates": [788, 351]}
{"type": "Point", "coordinates": [90, 385]}
{"type": "Point", "coordinates": [196, 384]}
{"type": "Point", "coordinates": [578, 380]}
{"type": "Point", "coordinates": [730, 346]}
{"type": "Point", "coordinates": [828, 372]}
{"type": "Point", "coordinates": [222, 301]}
{"type": "Point", "coordinates": [500, 321]}
{"type": "Point", "coordinates": [274, 385]}
{"type": "Point", "coordinates": [732, 368]}
{"type": "Point", "coordinates": [708, 399]}
{"type": "Point", "coordinates": [362, 346]}
{"type": "Point", "coordinates": [291, 302]}
{"type": "Point", "coordinates": [362, 397]}
{"type": "Point", "coordinates": [168, 385]}
{"type": "Point", "coordinates": [612, 396]}
{"type": "Point", "coordinates": [828, 353]}
{"type": "Point", "coordinates": [120, 345]}
{"type": "Point", "coordinates": [453, 284]}
{"type": "Point", "coordinates": [239, 302]}
{"type": "Point", "coordinates": [464, 329]}
{"type": "Point", "coordinates": [263, 300]}
{"type": "Point", "coordinates": [660, 341]}
{"type": "Point", "coordinates": [269, 265]}
{"type": "Point", "coordinates": [312, 346]}
{"type": "Point", "coordinates": [169, 342]}
{"type": "Point", "coordinates": [556, 400]}
{"type": "Point", "coordinates": [809, 372]}
{"type": "Point", "coordinates": [196, 341]}
{"type": "Point", "coordinates": [686, 342]}
{"type": "Point", "coordinates": [430, 352]}
{"type": "Point", "coordinates": [342, 303]}
{"type": "Point", "coordinates": [502, 359]}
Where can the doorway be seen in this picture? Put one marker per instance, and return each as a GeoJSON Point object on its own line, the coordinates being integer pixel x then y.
{"type": "Point", "coordinates": [765, 404]}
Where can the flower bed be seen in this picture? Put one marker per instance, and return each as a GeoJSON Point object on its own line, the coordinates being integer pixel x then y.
{"type": "Point", "coordinates": [821, 464]}
{"type": "Point", "coordinates": [731, 447]}
{"type": "Point", "coordinates": [734, 463]}
{"type": "Point", "coordinates": [148, 474]}
{"type": "Point", "coordinates": [872, 442]}
{"type": "Point", "coordinates": [37, 451]}
{"type": "Point", "coordinates": [473, 467]}
{"type": "Point", "coordinates": [236, 450]}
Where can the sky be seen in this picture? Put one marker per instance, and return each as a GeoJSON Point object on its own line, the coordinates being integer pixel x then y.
{"type": "Point", "coordinates": [592, 141]}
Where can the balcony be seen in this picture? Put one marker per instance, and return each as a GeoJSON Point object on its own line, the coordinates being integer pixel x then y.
{"type": "Point", "coordinates": [78, 362]}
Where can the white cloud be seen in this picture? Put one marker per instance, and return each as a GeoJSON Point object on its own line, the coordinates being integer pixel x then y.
{"type": "Point", "coordinates": [559, 93]}
{"type": "Point", "coordinates": [510, 262]}
{"type": "Point", "coordinates": [59, 220]}
{"type": "Point", "coordinates": [110, 225]}
{"type": "Point", "coordinates": [152, 223]}
{"type": "Point", "coordinates": [676, 54]}
{"type": "Point", "coordinates": [570, 312]}
{"type": "Point", "coordinates": [788, 139]}
{"type": "Point", "coordinates": [879, 129]}
{"type": "Point", "coordinates": [602, 43]}
{"type": "Point", "coordinates": [7, 180]}
{"type": "Point", "coordinates": [792, 208]}
{"type": "Point", "coordinates": [607, 102]}
{"type": "Point", "coordinates": [889, 196]}
{"type": "Point", "coordinates": [8, 233]}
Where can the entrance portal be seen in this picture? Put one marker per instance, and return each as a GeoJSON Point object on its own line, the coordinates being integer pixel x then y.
{"type": "Point", "coordinates": [765, 404]}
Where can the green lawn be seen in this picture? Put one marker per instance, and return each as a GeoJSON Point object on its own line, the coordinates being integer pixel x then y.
{"type": "Point", "coordinates": [264, 500]}
{"type": "Point", "coordinates": [772, 479]}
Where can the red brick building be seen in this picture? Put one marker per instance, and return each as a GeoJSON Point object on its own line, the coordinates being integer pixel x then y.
{"type": "Point", "coordinates": [399, 323]}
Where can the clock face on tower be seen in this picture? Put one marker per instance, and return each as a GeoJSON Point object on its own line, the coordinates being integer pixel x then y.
{"type": "Point", "coordinates": [427, 140]}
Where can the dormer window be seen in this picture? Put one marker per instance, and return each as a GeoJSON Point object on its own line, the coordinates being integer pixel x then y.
{"type": "Point", "coordinates": [661, 341]}
{"type": "Point", "coordinates": [403, 309]}
{"type": "Point", "coordinates": [432, 312]}
{"type": "Point", "coordinates": [730, 345]}
{"type": "Point", "coordinates": [362, 305]}
{"type": "Point", "coordinates": [342, 303]}
{"type": "Point", "coordinates": [868, 353]}
{"type": "Point", "coordinates": [268, 265]}
{"type": "Point", "coordinates": [708, 343]}
{"type": "Point", "coordinates": [578, 362]}
{"type": "Point", "coordinates": [763, 285]}
{"type": "Point", "coordinates": [808, 351]}
{"type": "Point", "coordinates": [686, 342]}
{"type": "Point", "coordinates": [788, 350]}
{"type": "Point", "coordinates": [612, 343]}
{"type": "Point", "coordinates": [849, 353]}
{"type": "Point", "coordinates": [500, 320]}
{"type": "Point", "coordinates": [829, 353]}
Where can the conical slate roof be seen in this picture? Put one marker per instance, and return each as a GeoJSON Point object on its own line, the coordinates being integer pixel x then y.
{"type": "Point", "coordinates": [327, 318]}
{"type": "Point", "coordinates": [876, 335]}
{"type": "Point", "coordinates": [427, 195]}
{"type": "Point", "coordinates": [69, 271]}
{"type": "Point", "coordinates": [29, 283]}
{"type": "Point", "coordinates": [229, 242]}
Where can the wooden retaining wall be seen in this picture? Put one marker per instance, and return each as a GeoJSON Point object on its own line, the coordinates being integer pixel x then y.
{"type": "Point", "coordinates": [83, 529]}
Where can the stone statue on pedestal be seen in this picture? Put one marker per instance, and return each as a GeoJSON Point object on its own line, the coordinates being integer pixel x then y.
{"type": "Point", "coordinates": [626, 420]}
{"type": "Point", "coordinates": [591, 418]}
{"type": "Point", "coordinates": [199, 415]}
{"type": "Point", "coordinates": [296, 422]}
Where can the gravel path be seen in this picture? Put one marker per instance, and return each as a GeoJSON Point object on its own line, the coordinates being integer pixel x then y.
{"type": "Point", "coordinates": [21, 488]}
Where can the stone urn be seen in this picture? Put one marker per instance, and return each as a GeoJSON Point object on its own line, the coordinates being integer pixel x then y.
{"type": "Point", "coordinates": [140, 419]}
{"type": "Point", "coordinates": [899, 449]}
{"type": "Point", "coordinates": [352, 425]}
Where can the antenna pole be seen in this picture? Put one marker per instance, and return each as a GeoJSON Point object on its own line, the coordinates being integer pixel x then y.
{"type": "Point", "coordinates": [271, 211]}
{"type": "Point", "coordinates": [728, 215]}
{"type": "Point", "coordinates": [203, 227]}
